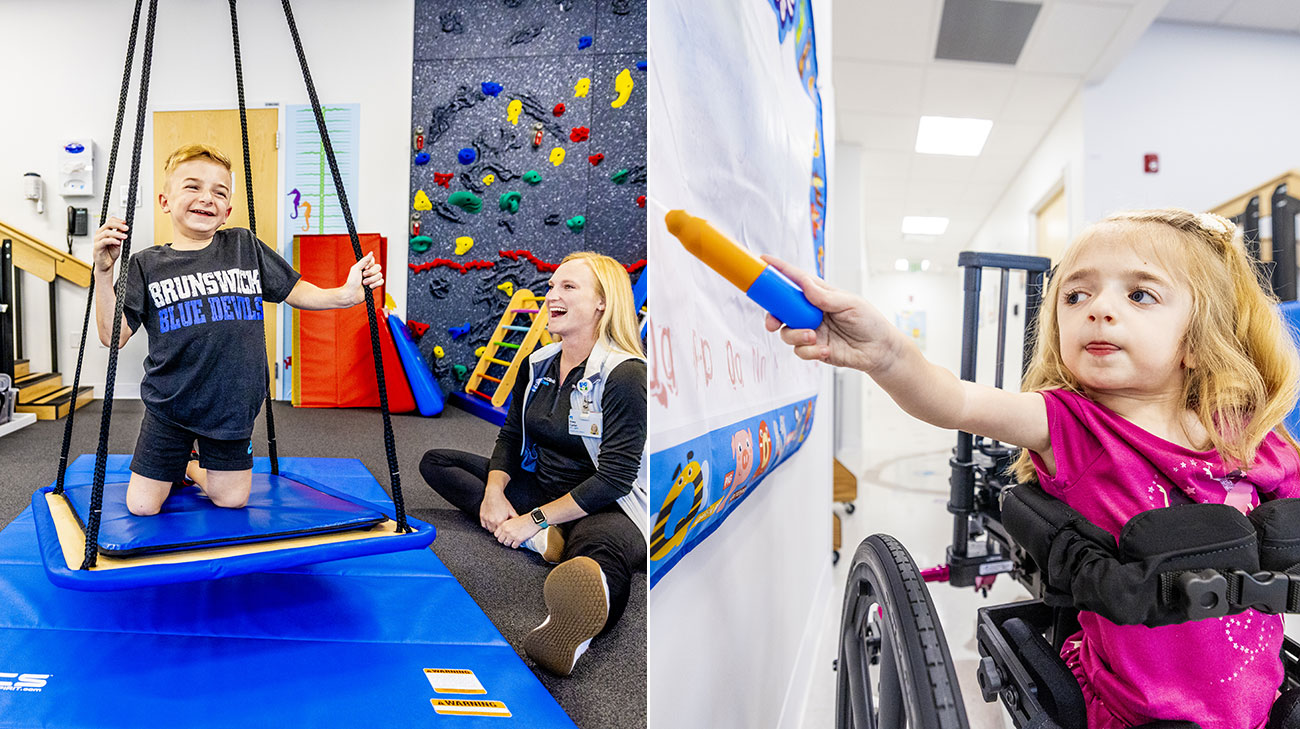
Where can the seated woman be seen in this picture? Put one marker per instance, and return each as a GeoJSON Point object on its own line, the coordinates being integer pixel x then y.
{"type": "Point", "coordinates": [568, 476]}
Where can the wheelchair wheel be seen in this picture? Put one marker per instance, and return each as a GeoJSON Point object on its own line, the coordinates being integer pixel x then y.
{"type": "Point", "coordinates": [894, 668]}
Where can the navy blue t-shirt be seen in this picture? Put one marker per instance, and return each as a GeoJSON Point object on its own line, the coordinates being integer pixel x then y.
{"type": "Point", "coordinates": [206, 369]}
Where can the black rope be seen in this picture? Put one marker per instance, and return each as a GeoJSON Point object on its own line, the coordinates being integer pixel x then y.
{"type": "Point", "coordinates": [389, 445]}
{"type": "Point", "coordinates": [101, 453]}
{"type": "Point", "coordinates": [252, 221]}
{"type": "Point", "coordinates": [103, 216]}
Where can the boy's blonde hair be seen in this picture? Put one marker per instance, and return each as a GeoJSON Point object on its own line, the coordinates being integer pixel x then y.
{"type": "Point", "coordinates": [1243, 373]}
{"type": "Point", "coordinates": [192, 152]}
{"type": "Point", "coordinates": [618, 322]}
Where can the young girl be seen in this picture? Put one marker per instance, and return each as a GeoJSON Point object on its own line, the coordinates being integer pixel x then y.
{"type": "Point", "coordinates": [1161, 375]}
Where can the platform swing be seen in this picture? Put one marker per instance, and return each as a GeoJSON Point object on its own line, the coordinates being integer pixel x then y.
{"type": "Point", "coordinates": [90, 542]}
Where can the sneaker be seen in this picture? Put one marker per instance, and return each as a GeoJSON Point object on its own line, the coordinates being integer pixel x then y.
{"type": "Point", "coordinates": [577, 599]}
{"type": "Point", "coordinates": [549, 543]}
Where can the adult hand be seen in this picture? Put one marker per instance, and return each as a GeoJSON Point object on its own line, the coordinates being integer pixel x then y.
{"type": "Point", "coordinates": [364, 274]}
{"type": "Point", "coordinates": [515, 531]}
{"type": "Point", "coordinates": [852, 334]}
{"type": "Point", "coordinates": [108, 244]}
{"type": "Point", "coordinates": [494, 510]}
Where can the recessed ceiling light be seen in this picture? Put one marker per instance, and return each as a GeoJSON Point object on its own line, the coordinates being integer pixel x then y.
{"type": "Point", "coordinates": [915, 225]}
{"type": "Point", "coordinates": [949, 135]}
{"type": "Point", "coordinates": [900, 264]}
{"type": "Point", "coordinates": [925, 264]}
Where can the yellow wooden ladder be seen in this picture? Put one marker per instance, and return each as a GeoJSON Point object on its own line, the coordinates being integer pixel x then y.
{"type": "Point", "coordinates": [522, 303]}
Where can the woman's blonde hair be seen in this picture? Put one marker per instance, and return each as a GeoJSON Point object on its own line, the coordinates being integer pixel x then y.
{"type": "Point", "coordinates": [618, 322]}
{"type": "Point", "coordinates": [1242, 373]}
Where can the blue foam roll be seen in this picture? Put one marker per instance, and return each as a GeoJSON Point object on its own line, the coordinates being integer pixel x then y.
{"type": "Point", "coordinates": [775, 292]}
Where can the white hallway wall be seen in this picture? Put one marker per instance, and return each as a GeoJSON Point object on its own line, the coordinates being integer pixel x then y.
{"type": "Point", "coordinates": [61, 70]}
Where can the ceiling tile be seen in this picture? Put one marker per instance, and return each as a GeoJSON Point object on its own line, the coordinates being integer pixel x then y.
{"type": "Point", "coordinates": [1069, 37]}
{"type": "Point", "coordinates": [964, 90]}
{"type": "Point", "coordinates": [881, 164]}
{"type": "Point", "coordinates": [1018, 139]}
{"type": "Point", "coordinates": [880, 87]}
{"type": "Point", "coordinates": [1038, 98]}
{"type": "Point", "coordinates": [879, 131]}
{"type": "Point", "coordinates": [885, 30]}
{"type": "Point", "coordinates": [997, 171]}
{"type": "Point", "coordinates": [942, 168]}
{"type": "Point", "coordinates": [1263, 14]}
{"type": "Point", "coordinates": [1195, 11]}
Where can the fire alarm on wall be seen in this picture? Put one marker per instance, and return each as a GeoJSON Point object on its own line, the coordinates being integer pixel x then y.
{"type": "Point", "coordinates": [1151, 163]}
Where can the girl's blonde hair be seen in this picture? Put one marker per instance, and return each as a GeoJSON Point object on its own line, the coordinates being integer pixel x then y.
{"type": "Point", "coordinates": [618, 322]}
{"type": "Point", "coordinates": [1242, 373]}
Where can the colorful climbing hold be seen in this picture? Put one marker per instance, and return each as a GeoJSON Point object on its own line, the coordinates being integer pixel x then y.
{"type": "Point", "coordinates": [619, 177]}
{"type": "Point", "coordinates": [623, 86]}
{"type": "Point", "coordinates": [461, 371]}
{"type": "Point", "coordinates": [558, 110]}
{"type": "Point", "coordinates": [509, 202]}
{"type": "Point", "coordinates": [596, 159]}
{"type": "Point", "coordinates": [479, 352]}
{"type": "Point", "coordinates": [508, 287]}
{"type": "Point", "coordinates": [584, 42]}
{"type": "Point", "coordinates": [513, 109]}
{"type": "Point", "coordinates": [640, 65]}
{"type": "Point", "coordinates": [533, 177]}
{"type": "Point", "coordinates": [582, 87]}
{"type": "Point", "coordinates": [466, 200]}
{"type": "Point", "coordinates": [442, 178]}
{"type": "Point", "coordinates": [415, 224]}
{"type": "Point", "coordinates": [421, 243]}
{"type": "Point", "coordinates": [422, 158]}
{"type": "Point", "coordinates": [579, 134]}
{"type": "Point", "coordinates": [422, 201]}
{"type": "Point", "coordinates": [557, 156]}
{"type": "Point", "coordinates": [437, 352]}
{"type": "Point", "coordinates": [460, 331]}
{"type": "Point", "coordinates": [466, 155]}
{"type": "Point", "coordinates": [418, 328]}
{"type": "Point", "coordinates": [489, 178]}
{"type": "Point", "coordinates": [640, 201]}
{"type": "Point", "coordinates": [463, 244]}
{"type": "Point", "coordinates": [576, 223]}
{"type": "Point", "coordinates": [417, 138]}
{"type": "Point", "coordinates": [490, 88]}
{"type": "Point", "coordinates": [537, 134]}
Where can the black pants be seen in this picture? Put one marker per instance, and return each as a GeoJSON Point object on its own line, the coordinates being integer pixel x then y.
{"type": "Point", "coordinates": [608, 536]}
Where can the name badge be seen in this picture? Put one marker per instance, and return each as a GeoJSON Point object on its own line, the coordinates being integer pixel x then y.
{"type": "Point", "coordinates": [586, 425]}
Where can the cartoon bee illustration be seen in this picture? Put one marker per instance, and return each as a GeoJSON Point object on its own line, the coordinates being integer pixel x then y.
{"type": "Point", "coordinates": [694, 474]}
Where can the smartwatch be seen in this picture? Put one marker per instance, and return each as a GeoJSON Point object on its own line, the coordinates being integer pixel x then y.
{"type": "Point", "coordinates": [539, 518]}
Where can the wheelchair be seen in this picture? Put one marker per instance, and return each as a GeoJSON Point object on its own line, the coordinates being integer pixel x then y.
{"type": "Point", "coordinates": [894, 667]}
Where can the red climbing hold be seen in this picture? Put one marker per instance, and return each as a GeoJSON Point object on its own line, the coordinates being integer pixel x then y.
{"type": "Point", "coordinates": [418, 328]}
{"type": "Point", "coordinates": [442, 178]}
{"type": "Point", "coordinates": [596, 159]}
{"type": "Point", "coordinates": [640, 201]}
{"type": "Point", "coordinates": [579, 134]}
{"type": "Point", "coordinates": [558, 110]}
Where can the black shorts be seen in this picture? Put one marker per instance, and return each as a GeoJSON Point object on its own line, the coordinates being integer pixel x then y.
{"type": "Point", "coordinates": [163, 450]}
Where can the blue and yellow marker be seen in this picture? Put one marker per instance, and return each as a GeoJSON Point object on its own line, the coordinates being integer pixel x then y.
{"type": "Point", "coordinates": [766, 286]}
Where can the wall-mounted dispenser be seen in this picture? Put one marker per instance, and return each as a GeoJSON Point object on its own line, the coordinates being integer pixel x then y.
{"type": "Point", "coordinates": [77, 168]}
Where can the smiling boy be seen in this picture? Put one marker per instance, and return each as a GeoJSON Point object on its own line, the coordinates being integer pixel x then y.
{"type": "Point", "coordinates": [200, 300]}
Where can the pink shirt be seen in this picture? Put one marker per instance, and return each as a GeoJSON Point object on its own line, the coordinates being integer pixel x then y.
{"type": "Point", "coordinates": [1222, 673]}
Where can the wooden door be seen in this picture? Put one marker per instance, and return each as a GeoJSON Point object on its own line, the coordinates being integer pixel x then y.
{"type": "Point", "coordinates": [220, 129]}
{"type": "Point", "coordinates": [1053, 227]}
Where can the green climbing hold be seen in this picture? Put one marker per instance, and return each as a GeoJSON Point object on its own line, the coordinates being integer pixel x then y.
{"type": "Point", "coordinates": [462, 372]}
{"type": "Point", "coordinates": [619, 177]}
{"type": "Point", "coordinates": [576, 223]}
{"type": "Point", "coordinates": [532, 177]}
{"type": "Point", "coordinates": [421, 243]}
{"type": "Point", "coordinates": [510, 202]}
{"type": "Point", "coordinates": [466, 200]}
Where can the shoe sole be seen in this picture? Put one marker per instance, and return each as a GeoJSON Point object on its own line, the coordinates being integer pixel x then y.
{"type": "Point", "coordinates": [554, 545]}
{"type": "Point", "coordinates": [577, 606]}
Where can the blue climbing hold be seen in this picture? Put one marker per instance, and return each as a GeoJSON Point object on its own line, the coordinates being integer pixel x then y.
{"type": "Point", "coordinates": [466, 155]}
{"type": "Point", "coordinates": [422, 158]}
{"type": "Point", "coordinates": [584, 42]}
{"type": "Point", "coordinates": [491, 89]}
{"type": "Point", "coordinates": [458, 332]}
{"type": "Point", "coordinates": [640, 65]}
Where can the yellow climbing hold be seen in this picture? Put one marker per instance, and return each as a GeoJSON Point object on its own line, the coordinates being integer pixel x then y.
{"type": "Point", "coordinates": [437, 352]}
{"type": "Point", "coordinates": [513, 109]}
{"type": "Point", "coordinates": [623, 85]}
{"type": "Point", "coordinates": [422, 201]}
{"type": "Point", "coordinates": [463, 244]}
{"type": "Point", "coordinates": [389, 303]}
{"type": "Point", "coordinates": [489, 178]}
{"type": "Point", "coordinates": [557, 156]}
{"type": "Point", "coordinates": [479, 352]}
{"type": "Point", "coordinates": [582, 87]}
{"type": "Point", "coordinates": [507, 287]}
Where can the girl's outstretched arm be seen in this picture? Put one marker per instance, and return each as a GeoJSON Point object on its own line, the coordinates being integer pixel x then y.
{"type": "Point", "coordinates": [854, 334]}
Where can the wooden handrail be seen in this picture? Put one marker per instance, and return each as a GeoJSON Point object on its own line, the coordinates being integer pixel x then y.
{"type": "Point", "coordinates": [43, 260]}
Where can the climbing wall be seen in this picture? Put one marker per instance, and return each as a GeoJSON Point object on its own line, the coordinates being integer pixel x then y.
{"type": "Point", "coordinates": [528, 143]}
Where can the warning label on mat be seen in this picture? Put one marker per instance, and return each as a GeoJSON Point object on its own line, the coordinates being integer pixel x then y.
{"type": "Point", "coordinates": [469, 707]}
{"type": "Point", "coordinates": [453, 681]}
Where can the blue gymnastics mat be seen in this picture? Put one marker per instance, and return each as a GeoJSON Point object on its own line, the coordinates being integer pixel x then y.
{"type": "Point", "coordinates": [354, 642]}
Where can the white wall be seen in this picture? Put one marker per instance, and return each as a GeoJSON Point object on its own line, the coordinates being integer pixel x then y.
{"type": "Point", "coordinates": [847, 268]}
{"type": "Point", "coordinates": [61, 69]}
{"type": "Point", "coordinates": [1212, 102]}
